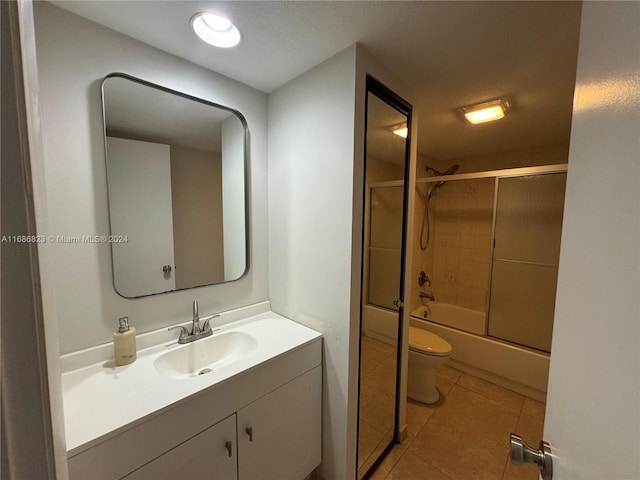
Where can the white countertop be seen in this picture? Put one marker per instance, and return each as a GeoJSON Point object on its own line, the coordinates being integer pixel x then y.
{"type": "Point", "coordinates": [102, 398]}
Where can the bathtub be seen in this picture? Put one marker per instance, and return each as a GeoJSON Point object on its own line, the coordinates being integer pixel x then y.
{"type": "Point", "coordinates": [471, 321]}
{"type": "Point", "coordinates": [517, 368]}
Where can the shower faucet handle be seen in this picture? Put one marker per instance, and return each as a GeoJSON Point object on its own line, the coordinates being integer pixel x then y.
{"type": "Point", "coordinates": [423, 279]}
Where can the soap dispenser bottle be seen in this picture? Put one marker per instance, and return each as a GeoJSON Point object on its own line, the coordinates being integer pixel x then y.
{"type": "Point", "coordinates": [124, 343]}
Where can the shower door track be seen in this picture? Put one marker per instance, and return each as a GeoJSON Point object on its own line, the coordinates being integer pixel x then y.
{"type": "Point", "coordinates": [524, 262]}
{"type": "Point", "coordinates": [503, 173]}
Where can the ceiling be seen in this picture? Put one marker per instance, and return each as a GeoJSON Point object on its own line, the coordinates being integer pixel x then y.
{"type": "Point", "coordinates": [136, 111]}
{"type": "Point", "coordinates": [452, 53]}
{"type": "Point", "coordinates": [382, 143]}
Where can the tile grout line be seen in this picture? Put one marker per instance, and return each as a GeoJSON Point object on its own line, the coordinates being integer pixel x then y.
{"type": "Point", "coordinates": [408, 449]}
{"type": "Point", "coordinates": [506, 463]}
{"type": "Point", "coordinates": [524, 397]}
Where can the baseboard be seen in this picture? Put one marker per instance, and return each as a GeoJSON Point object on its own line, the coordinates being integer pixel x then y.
{"type": "Point", "coordinates": [500, 381]}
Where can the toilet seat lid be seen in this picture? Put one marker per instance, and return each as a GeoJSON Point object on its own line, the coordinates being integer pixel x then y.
{"type": "Point", "coordinates": [424, 341]}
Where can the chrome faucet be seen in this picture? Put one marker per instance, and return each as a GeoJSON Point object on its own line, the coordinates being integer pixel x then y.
{"type": "Point", "coordinates": [196, 331]}
{"type": "Point", "coordinates": [195, 325]}
{"type": "Point", "coordinates": [428, 295]}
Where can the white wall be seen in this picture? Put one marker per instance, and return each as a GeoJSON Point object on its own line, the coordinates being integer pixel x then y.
{"type": "Point", "coordinates": [316, 189]}
{"type": "Point", "coordinates": [74, 55]}
{"type": "Point", "coordinates": [196, 200]}
{"type": "Point", "coordinates": [593, 414]}
{"type": "Point", "coordinates": [233, 198]}
{"type": "Point", "coordinates": [140, 206]}
{"type": "Point", "coordinates": [32, 411]}
{"type": "Point", "coordinates": [311, 154]}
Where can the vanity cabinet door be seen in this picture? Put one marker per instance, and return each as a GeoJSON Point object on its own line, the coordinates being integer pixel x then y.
{"type": "Point", "coordinates": [279, 435]}
{"type": "Point", "coordinates": [210, 455]}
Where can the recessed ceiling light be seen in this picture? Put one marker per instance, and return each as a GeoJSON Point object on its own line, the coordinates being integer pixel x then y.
{"type": "Point", "coordinates": [487, 111]}
{"type": "Point", "coordinates": [216, 30]}
{"type": "Point", "coordinates": [401, 131]}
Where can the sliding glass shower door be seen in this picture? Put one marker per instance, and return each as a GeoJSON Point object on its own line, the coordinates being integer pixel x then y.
{"type": "Point", "coordinates": [385, 245]}
{"type": "Point", "coordinates": [528, 222]}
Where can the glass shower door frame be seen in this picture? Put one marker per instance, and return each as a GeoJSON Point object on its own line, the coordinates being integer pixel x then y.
{"type": "Point", "coordinates": [373, 86]}
{"type": "Point", "coordinates": [367, 234]}
{"type": "Point", "coordinates": [496, 175]}
{"type": "Point", "coordinates": [513, 173]}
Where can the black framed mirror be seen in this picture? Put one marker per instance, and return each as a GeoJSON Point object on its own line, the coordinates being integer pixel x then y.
{"type": "Point", "coordinates": [177, 186]}
{"type": "Point", "coordinates": [387, 157]}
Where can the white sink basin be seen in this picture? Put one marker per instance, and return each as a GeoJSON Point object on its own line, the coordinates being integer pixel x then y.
{"type": "Point", "coordinates": [205, 355]}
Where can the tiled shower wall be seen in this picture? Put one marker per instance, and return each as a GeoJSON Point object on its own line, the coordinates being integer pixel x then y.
{"type": "Point", "coordinates": [457, 259]}
{"type": "Point", "coordinates": [462, 242]}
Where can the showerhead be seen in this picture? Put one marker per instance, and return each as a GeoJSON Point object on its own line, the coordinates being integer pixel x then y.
{"type": "Point", "coordinates": [425, 230]}
{"type": "Point", "coordinates": [449, 171]}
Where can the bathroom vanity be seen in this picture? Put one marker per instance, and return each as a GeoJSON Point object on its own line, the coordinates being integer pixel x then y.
{"type": "Point", "coordinates": [252, 411]}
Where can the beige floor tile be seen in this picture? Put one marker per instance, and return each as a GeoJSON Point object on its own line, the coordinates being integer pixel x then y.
{"type": "Point", "coordinates": [417, 416]}
{"type": "Point", "coordinates": [459, 451]}
{"type": "Point", "coordinates": [384, 372]}
{"type": "Point", "coordinates": [377, 451]}
{"type": "Point", "coordinates": [381, 348]}
{"type": "Point", "coordinates": [503, 396]}
{"type": "Point", "coordinates": [373, 353]}
{"type": "Point", "coordinates": [521, 472]}
{"type": "Point", "coordinates": [393, 456]}
{"type": "Point", "coordinates": [412, 467]}
{"type": "Point", "coordinates": [533, 408]}
{"type": "Point", "coordinates": [444, 384]}
{"type": "Point", "coordinates": [363, 466]}
{"type": "Point", "coordinates": [378, 475]}
{"type": "Point", "coordinates": [368, 440]}
{"type": "Point", "coordinates": [463, 437]}
{"type": "Point", "coordinates": [377, 404]}
{"type": "Point", "coordinates": [369, 360]}
{"type": "Point", "coordinates": [448, 372]}
{"type": "Point", "coordinates": [486, 418]}
{"type": "Point", "coordinates": [362, 470]}
{"type": "Point", "coordinates": [378, 414]}
{"type": "Point", "coordinates": [370, 388]}
{"type": "Point", "coordinates": [530, 429]}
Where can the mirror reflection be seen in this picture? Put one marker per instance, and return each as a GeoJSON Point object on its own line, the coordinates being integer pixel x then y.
{"type": "Point", "coordinates": [176, 183]}
{"type": "Point", "coordinates": [385, 170]}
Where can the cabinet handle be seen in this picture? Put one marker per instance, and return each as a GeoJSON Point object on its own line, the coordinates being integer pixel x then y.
{"type": "Point", "coordinates": [228, 446]}
{"type": "Point", "coordinates": [249, 431]}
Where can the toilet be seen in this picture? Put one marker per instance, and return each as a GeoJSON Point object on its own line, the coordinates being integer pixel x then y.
{"type": "Point", "coordinates": [427, 351]}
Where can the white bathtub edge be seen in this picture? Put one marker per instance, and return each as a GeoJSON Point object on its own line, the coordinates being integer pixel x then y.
{"type": "Point", "coordinates": [522, 370]}
{"type": "Point", "coordinates": [518, 369]}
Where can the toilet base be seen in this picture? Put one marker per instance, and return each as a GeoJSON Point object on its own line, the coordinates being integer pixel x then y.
{"type": "Point", "coordinates": [427, 397]}
{"type": "Point", "coordinates": [421, 381]}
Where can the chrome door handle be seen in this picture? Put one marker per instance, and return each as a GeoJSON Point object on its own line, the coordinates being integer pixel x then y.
{"type": "Point", "coordinates": [523, 453]}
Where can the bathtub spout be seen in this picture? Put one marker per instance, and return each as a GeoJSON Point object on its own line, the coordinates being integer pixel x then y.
{"type": "Point", "coordinates": [427, 295]}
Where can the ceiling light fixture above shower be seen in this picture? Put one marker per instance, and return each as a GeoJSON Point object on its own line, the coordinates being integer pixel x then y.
{"type": "Point", "coordinates": [487, 111]}
{"type": "Point", "coordinates": [215, 29]}
{"type": "Point", "coordinates": [401, 130]}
